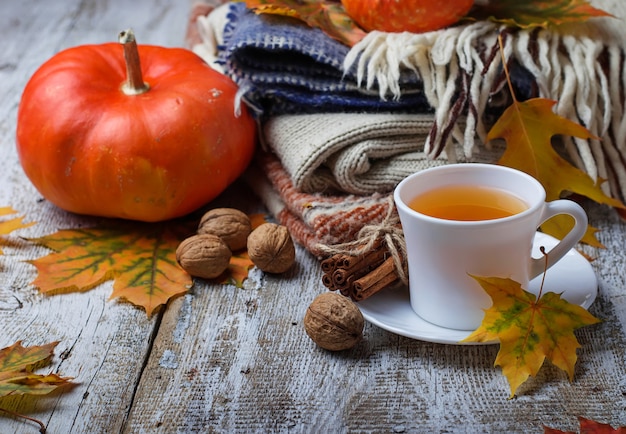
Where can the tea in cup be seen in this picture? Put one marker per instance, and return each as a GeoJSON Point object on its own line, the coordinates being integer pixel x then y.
{"type": "Point", "coordinates": [474, 219]}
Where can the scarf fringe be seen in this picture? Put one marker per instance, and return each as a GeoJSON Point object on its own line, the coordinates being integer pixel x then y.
{"type": "Point", "coordinates": [461, 71]}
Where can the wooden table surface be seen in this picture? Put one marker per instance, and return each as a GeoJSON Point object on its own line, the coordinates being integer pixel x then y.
{"type": "Point", "coordinates": [223, 359]}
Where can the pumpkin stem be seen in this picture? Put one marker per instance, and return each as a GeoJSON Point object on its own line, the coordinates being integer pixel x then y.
{"type": "Point", "coordinates": [134, 84]}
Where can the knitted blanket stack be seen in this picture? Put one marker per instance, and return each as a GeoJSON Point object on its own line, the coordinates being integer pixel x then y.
{"type": "Point", "coordinates": [342, 126]}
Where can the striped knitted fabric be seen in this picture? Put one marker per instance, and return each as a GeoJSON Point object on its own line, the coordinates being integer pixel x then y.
{"type": "Point", "coordinates": [315, 220]}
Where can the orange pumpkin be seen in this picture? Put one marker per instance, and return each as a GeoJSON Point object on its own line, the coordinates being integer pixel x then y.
{"type": "Point", "coordinates": [95, 142]}
{"type": "Point", "coordinates": [415, 16]}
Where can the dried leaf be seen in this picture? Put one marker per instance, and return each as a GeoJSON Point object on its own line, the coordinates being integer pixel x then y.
{"type": "Point", "coordinates": [257, 220]}
{"type": "Point", "coordinates": [8, 226]}
{"type": "Point", "coordinates": [537, 13]}
{"type": "Point", "coordinates": [588, 426]}
{"type": "Point", "coordinates": [327, 15]}
{"type": "Point", "coordinates": [16, 365]}
{"type": "Point", "coordinates": [140, 258]}
{"type": "Point", "coordinates": [528, 128]}
{"type": "Point", "coordinates": [237, 272]}
{"type": "Point", "coordinates": [240, 263]}
{"type": "Point", "coordinates": [529, 330]}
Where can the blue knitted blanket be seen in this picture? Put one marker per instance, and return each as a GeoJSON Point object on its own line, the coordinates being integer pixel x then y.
{"type": "Point", "coordinates": [283, 66]}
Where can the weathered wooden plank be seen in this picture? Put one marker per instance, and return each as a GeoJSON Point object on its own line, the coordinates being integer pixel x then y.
{"type": "Point", "coordinates": [103, 343]}
{"type": "Point", "coordinates": [238, 360]}
{"type": "Point", "coordinates": [223, 359]}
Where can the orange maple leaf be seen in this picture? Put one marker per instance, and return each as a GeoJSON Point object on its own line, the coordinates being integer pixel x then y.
{"type": "Point", "coordinates": [238, 268]}
{"type": "Point", "coordinates": [8, 226]}
{"type": "Point", "coordinates": [529, 329]}
{"type": "Point", "coordinates": [140, 258]}
{"type": "Point", "coordinates": [329, 16]}
{"type": "Point", "coordinates": [537, 13]}
{"type": "Point", "coordinates": [16, 370]}
{"type": "Point", "coordinates": [588, 426]}
{"type": "Point", "coordinates": [240, 262]}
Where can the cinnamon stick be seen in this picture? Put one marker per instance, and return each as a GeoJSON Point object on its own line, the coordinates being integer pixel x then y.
{"type": "Point", "coordinates": [357, 261]}
{"type": "Point", "coordinates": [359, 276]}
{"type": "Point", "coordinates": [327, 281]}
{"type": "Point", "coordinates": [347, 288]}
{"type": "Point", "coordinates": [329, 264]}
{"type": "Point", "coordinates": [373, 282]}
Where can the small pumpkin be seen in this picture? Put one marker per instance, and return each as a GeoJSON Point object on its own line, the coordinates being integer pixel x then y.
{"type": "Point", "coordinates": [142, 132]}
{"type": "Point", "coordinates": [415, 16]}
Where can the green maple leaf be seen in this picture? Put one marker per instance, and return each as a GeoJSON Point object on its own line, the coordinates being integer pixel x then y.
{"type": "Point", "coordinates": [16, 376]}
{"type": "Point", "coordinates": [140, 258]}
{"type": "Point", "coordinates": [537, 13]}
{"type": "Point", "coordinates": [529, 330]}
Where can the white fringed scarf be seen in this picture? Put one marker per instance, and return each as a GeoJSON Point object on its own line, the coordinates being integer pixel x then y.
{"type": "Point", "coordinates": [581, 66]}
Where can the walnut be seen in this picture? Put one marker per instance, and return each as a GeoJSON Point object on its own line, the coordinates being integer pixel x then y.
{"type": "Point", "coordinates": [271, 248]}
{"type": "Point", "coordinates": [203, 255]}
{"type": "Point", "coordinates": [334, 322]}
{"type": "Point", "coordinates": [231, 225]}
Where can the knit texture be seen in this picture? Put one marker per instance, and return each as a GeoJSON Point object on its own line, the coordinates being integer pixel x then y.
{"type": "Point", "coordinates": [314, 220]}
{"type": "Point", "coordinates": [354, 153]}
{"type": "Point", "coordinates": [581, 66]}
{"type": "Point", "coordinates": [282, 66]}
{"type": "Point", "coordinates": [327, 172]}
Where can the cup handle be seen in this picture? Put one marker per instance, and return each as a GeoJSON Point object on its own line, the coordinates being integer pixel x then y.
{"type": "Point", "coordinates": [551, 209]}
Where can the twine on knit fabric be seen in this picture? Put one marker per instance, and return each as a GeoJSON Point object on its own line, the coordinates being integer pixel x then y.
{"type": "Point", "coordinates": [388, 231]}
{"type": "Point", "coordinates": [313, 219]}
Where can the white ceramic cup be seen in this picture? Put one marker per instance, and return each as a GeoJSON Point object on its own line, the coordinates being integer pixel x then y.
{"type": "Point", "coordinates": [442, 254]}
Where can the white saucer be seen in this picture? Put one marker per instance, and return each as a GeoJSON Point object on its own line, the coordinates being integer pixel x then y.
{"type": "Point", "coordinates": [391, 310]}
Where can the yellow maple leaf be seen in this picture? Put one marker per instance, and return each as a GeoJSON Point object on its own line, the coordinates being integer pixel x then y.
{"type": "Point", "coordinates": [8, 226]}
{"type": "Point", "coordinates": [529, 329]}
{"type": "Point", "coordinates": [238, 268]}
{"type": "Point", "coordinates": [16, 365]}
{"type": "Point", "coordinates": [528, 128]}
{"type": "Point", "coordinates": [140, 258]}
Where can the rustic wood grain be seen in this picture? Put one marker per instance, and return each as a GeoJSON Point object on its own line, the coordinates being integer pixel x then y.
{"type": "Point", "coordinates": [103, 344]}
{"type": "Point", "coordinates": [229, 360]}
{"type": "Point", "coordinates": [226, 359]}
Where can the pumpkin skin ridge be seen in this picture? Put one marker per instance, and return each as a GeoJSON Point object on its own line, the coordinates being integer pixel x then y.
{"type": "Point", "coordinates": [190, 163]}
